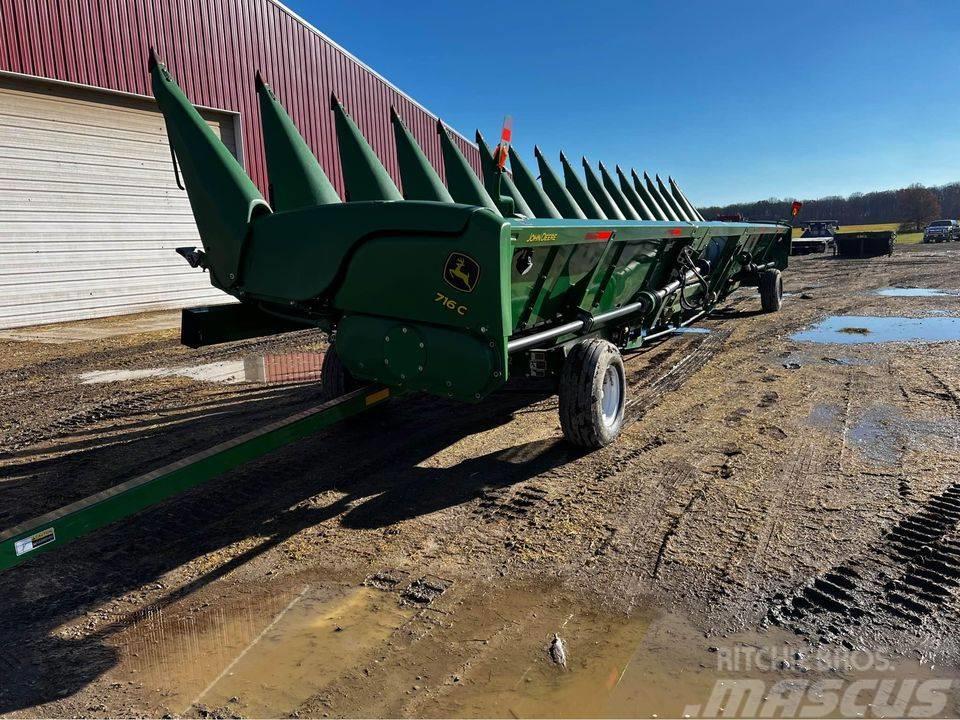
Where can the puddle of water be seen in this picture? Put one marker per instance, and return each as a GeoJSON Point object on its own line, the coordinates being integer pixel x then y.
{"type": "Point", "coordinates": [278, 368]}
{"type": "Point", "coordinates": [616, 667]}
{"type": "Point", "coordinates": [283, 368]}
{"type": "Point", "coordinates": [883, 435]}
{"type": "Point", "coordinates": [916, 292]}
{"type": "Point", "coordinates": [858, 329]}
{"type": "Point", "coordinates": [284, 651]}
{"type": "Point", "coordinates": [825, 416]}
{"type": "Point", "coordinates": [266, 657]}
{"type": "Point", "coordinates": [661, 666]}
{"type": "Point", "coordinates": [879, 435]}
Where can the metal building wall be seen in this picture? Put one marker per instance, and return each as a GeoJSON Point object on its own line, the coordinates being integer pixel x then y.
{"type": "Point", "coordinates": [213, 48]}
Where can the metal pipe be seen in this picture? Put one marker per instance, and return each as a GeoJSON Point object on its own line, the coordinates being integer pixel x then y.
{"type": "Point", "coordinates": [603, 318]}
{"type": "Point", "coordinates": [686, 322]}
{"type": "Point", "coordinates": [535, 339]}
{"type": "Point", "coordinates": [754, 268]}
{"type": "Point", "coordinates": [567, 328]}
{"type": "Point", "coordinates": [620, 312]}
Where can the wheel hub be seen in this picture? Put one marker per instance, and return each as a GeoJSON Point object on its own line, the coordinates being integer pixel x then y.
{"type": "Point", "coordinates": [610, 400]}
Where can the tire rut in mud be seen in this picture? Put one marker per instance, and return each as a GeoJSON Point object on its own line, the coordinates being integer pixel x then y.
{"type": "Point", "coordinates": [910, 576]}
{"type": "Point", "coordinates": [676, 376]}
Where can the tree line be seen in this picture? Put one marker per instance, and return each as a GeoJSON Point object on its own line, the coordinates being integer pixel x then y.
{"type": "Point", "coordinates": [912, 207]}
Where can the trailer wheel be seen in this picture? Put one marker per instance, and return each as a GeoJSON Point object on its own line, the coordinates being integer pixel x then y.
{"type": "Point", "coordinates": [771, 290]}
{"type": "Point", "coordinates": [592, 393]}
{"type": "Point", "coordinates": [334, 378]}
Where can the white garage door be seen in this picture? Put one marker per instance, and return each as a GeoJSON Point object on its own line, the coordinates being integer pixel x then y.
{"type": "Point", "coordinates": [90, 212]}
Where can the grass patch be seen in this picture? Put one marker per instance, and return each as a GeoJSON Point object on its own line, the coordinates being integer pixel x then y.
{"type": "Point", "coordinates": [909, 238]}
{"type": "Point", "coordinates": [869, 228]}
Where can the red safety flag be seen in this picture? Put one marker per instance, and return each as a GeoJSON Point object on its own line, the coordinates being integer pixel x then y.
{"type": "Point", "coordinates": [500, 157]}
{"type": "Point", "coordinates": [795, 208]}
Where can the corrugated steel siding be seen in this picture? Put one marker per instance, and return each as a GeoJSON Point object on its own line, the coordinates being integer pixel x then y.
{"type": "Point", "coordinates": [213, 48]}
{"type": "Point", "coordinates": [91, 213]}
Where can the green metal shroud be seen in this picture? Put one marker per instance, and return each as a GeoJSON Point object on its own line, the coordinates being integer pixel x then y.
{"type": "Point", "coordinates": [298, 179]}
{"type": "Point", "coordinates": [451, 297]}
{"type": "Point", "coordinates": [59, 527]}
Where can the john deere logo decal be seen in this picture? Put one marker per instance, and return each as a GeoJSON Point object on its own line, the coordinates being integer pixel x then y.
{"type": "Point", "coordinates": [461, 272]}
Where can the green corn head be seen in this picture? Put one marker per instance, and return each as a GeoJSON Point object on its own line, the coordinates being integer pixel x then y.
{"type": "Point", "coordinates": [452, 288]}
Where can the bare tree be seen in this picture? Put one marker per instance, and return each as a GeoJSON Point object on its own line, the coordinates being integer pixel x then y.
{"type": "Point", "coordinates": [877, 206]}
{"type": "Point", "coordinates": [918, 206]}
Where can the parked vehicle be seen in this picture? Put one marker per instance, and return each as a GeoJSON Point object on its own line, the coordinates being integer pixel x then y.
{"type": "Point", "coordinates": [942, 231]}
{"type": "Point", "coordinates": [817, 237]}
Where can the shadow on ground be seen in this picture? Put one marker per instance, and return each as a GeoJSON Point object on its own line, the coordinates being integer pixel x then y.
{"type": "Point", "coordinates": [372, 460]}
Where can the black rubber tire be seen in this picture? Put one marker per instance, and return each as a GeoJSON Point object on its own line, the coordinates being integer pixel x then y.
{"type": "Point", "coordinates": [771, 290]}
{"type": "Point", "coordinates": [334, 378]}
{"type": "Point", "coordinates": [581, 394]}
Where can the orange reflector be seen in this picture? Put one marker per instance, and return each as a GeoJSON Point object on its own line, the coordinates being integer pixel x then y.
{"type": "Point", "coordinates": [378, 396]}
{"type": "Point", "coordinates": [603, 235]}
{"type": "Point", "coordinates": [676, 231]}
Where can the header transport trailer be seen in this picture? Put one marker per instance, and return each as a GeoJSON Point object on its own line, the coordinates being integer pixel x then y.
{"type": "Point", "coordinates": [450, 289]}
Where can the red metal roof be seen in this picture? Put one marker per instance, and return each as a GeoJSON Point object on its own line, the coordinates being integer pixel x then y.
{"type": "Point", "coordinates": [213, 48]}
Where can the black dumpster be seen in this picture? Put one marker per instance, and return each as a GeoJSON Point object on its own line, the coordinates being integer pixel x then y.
{"type": "Point", "coordinates": [865, 243]}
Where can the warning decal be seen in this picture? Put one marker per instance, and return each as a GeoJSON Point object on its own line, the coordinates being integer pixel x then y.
{"type": "Point", "coordinates": [34, 541]}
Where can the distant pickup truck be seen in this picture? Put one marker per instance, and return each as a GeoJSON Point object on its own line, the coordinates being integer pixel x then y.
{"type": "Point", "coordinates": [817, 237]}
{"type": "Point", "coordinates": [942, 231]}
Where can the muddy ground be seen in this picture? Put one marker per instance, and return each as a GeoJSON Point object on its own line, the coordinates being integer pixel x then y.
{"type": "Point", "coordinates": [794, 497]}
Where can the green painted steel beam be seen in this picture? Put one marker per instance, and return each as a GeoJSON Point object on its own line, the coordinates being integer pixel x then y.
{"type": "Point", "coordinates": [462, 181]}
{"type": "Point", "coordinates": [526, 182]}
{"type": "Point", "coordinates": [420, 180]}
{"type": "Point", "coordinates": [643, 210]}
{"type": "Point", "coordinates": [364, 175]}
{"type": "Point", "coordinates": [498, 182]}
{"type": "Point", "coordinates": [556, 190]}
{"type": "Point", "coordinates": [591, 208]}
{"type": "Point", "coordinates": [296, 178]}
{"type": "Point", "coordinates": [616, 194]}
{"type": "Point", "coordinates": [59, 527]}
{"type": "Point", "coordinates": [600, 194]}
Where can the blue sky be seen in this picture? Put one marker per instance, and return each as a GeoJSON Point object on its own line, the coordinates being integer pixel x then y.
{"type": "Point", "coordinates": [737, 100]}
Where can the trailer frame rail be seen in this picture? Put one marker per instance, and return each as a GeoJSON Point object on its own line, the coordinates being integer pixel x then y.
{"type": "Point", "coordinates": [60, 526]}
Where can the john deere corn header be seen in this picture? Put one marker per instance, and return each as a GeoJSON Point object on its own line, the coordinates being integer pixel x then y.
{"type": "Point", "coordinates": [452, 288]}
{"type": "Point", "coordinates": [448, 289]}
